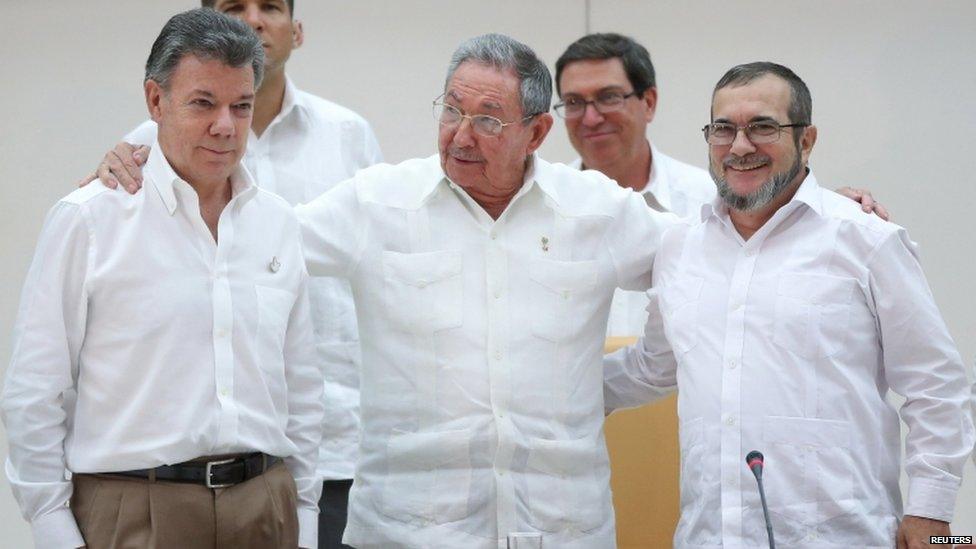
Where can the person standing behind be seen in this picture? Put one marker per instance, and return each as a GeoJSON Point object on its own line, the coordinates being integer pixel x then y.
{"type": "Point", "coordinates": [299, 146]}
{"type": "Point", "coordinates": [608, 96]}
{"type": "Point", "coordinates": [154, 389]}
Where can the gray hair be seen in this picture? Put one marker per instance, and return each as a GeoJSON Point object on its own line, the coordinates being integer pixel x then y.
{"type": "Point", "coordinates": [206, 34]}
{"type": "Point", "coordinates": [501, 52]}
{"type": "Point", "coordinates": [801, 104]}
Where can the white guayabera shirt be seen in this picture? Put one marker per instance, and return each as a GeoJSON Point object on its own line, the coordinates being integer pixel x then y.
{"type": "Point", "coordinates": [481, 389]}
{"type": "Point", "coordinates": [788, 343]}
{"type": "Point", "coordinates": [140, 341]}
{"type": "Point", "coordinates": [672, 186]}
{"type": "Point", "coordinates": [309, 147]}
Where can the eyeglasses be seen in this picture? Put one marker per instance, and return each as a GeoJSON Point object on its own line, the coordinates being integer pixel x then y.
{"type": "Point", "coordinates": [450, 116]}
{"type": "Point", "coordinates": [605, 102]}
{"type": "Point", "coordinates": [760, 133]}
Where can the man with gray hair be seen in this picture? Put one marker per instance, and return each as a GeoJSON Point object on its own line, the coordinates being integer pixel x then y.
{"type": "Point", "coordinates": [164, 395]}
{"type": "Point", "coordinates": [482, 278]}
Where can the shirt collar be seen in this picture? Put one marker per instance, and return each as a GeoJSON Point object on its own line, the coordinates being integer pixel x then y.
{"type": "Point", "coordinates": [659, 180]}
{"type": "Point", "coordinates": [291, 100]}
{"type": "Point", "coordinates": [165, 180]}
{"type": "Point", "coordinates": [808, 193]}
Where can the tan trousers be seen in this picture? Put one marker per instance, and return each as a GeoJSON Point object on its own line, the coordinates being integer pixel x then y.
{"type": "Point", "coordinates": [121, 513]}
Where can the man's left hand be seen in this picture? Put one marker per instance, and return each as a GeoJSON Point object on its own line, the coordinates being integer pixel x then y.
{"type": "Point", "coordinates": [866, 200]}
{"type": "Point", "coordinates": [915, 532]}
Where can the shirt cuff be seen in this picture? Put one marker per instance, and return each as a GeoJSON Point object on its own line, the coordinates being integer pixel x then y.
{"type": "Point", "coordinates": [57, 529]}
{"type": "Point", "coordinates": [308, 528]}
{"type": "Point", "coordinates": [931, 499]}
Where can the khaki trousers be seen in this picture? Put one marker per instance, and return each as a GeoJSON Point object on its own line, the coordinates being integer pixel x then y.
{"type": "Point", "coordinates": [116, 512]}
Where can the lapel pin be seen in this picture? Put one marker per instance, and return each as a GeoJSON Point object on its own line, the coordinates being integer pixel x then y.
{"type": "Point", "coordinates": [274, 265]}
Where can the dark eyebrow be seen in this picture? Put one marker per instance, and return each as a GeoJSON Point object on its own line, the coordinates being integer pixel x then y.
{"type": "Point", "coordinates": [751, 120]}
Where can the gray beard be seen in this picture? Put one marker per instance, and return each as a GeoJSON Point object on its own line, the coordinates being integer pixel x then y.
{"type": "Point", "coordinates": [762, 196]}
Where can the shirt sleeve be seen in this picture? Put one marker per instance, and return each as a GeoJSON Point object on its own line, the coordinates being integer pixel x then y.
{"type": "Point", "coordinates": [633, 240]}
{"type": "Point", "coordinates": [922, 364]}
{"type": "Point", "coordinates": [371, 147]}
{"type": "Point", "coordinates": [143, 134]}
{"type": "Point", "coordinates": [643, 372]}
{"type": "Point", "coordinates": [303, 375]}
{"type": "Point", "coordinates": [333, 231]}
{"type": "Point", "coordinates": [48, 335]}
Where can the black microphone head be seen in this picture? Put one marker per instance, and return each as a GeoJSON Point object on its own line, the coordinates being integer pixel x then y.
{"type": "Point", "coordinates": [754, 460]}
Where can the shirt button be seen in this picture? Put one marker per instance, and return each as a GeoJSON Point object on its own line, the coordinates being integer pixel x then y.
{"type": "Point", "coordinates": [221, 334]}
{"type": "Point", "coordinates": [224, 392]}
{"type": "Point", "coordinates": [498, 355]}
{"type": "Point", "coordinates": [423, 284]}
{"type": "Point", "coordinates": [565, 294]}
{"type": "Point", "coordinates": [750, 252]}
{"type": "Point", "coordinates": [494, 236]}
{"type": "Point", "coordinates": [730, 420]}
{"type": "Point", "coordinates": [498, 294]}
{"type": "Point", "coordinates": [732, 365]}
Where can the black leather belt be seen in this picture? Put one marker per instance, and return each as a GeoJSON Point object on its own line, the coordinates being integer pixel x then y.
{"type": "Point", "coordinates": [212, 474]}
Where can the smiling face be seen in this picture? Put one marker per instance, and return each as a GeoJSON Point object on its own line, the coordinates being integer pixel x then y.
{"type": "Point", "coordinates": [605, 140]}
{"type": "Point", "coordinates": [488, 166]}
{"type": "Point", "coordinates": [272, 22]}
{"type": "Point", "coordinates": [203, 118]}
{"type": "Point", "coordinates": [750, 176]}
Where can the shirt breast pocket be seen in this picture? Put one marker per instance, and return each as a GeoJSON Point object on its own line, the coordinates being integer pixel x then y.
{"type": "Point", "coordinates": [812, 313]}
{"type": "Point", "coordinates": [424, 290]}
{"type": "Point", "coordinates": [679, 304]}
{"type": "Point", "coordinates": [559, 288]}
{"type": "Point", "coordinates": [274, 308]}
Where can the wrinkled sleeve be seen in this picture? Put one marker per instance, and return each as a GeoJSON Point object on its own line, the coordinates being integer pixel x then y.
{"type": "Point", "coordinates": [48, 335]}
{"type": "Point", "coordinates": [303, 374]}
{"type": "Point", "coordinates": [333, 231]}
{"type": "Point", "coordinates": [922, 364]}
{"type": "Point", "coordinates": [633, 240]}
{"type": "Point", "coordinates": [643, 372]}
{"type": "Point", "coordinates": [143, 134]}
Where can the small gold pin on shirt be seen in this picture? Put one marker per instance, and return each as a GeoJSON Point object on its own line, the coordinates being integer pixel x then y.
{"type": "Point", "coordinates": [274, 265]}
{"type": "Point", "coordinates": [545, 243]}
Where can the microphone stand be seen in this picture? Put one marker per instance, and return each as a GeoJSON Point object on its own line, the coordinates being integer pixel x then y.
{"type": "Point", "coordinates": [755, 462]}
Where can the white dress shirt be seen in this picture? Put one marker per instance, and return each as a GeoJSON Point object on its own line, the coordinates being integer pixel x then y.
{"type": "Point", "coordinates": [309, 147]}
{"type": "Point", "coordinates": [481, 385]}
{"type": "Point", "coordinates": [140, 341]}
{"type": "Point", "coordinates": [788, 343]}
{"type": "Point", "coordinates": [672, 186]}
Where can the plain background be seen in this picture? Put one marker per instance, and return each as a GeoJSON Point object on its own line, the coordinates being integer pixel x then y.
{"type": "Point", "coordinates": [892, 83]}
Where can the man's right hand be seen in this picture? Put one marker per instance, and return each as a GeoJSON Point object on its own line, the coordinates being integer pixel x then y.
{"type": "Point", "coordinates": [121, 166]}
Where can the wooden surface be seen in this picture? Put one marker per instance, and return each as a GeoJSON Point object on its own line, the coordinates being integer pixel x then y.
{"type": "Point", "coordinates": [645, 462]}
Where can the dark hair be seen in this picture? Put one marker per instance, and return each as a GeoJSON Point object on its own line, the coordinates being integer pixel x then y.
{"type": "Point", "coordinates": [206, 34]}
{"type": "Point", "coordinates": [636, 60]}
{"type": "Point", "coordinates": [801, 104]}
{"type": "Point", "coordinates": [212, 3]}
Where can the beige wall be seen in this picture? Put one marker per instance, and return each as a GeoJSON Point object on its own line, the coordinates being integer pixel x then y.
{"type": "Point", "coordinates": [892, 83]}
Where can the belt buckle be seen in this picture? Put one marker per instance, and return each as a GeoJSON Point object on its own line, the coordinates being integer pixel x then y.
{"type": "Point", "coordinates": [209, 472]}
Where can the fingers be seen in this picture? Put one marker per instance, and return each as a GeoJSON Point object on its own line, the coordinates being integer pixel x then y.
{"type": "Point", "coordinates": [867, 200]}
{"type": "Point", "coordinates": [881, 211]}
{"type": "Point", "coordinates": [123, 166]}
{"type": "Point", "coordinates": [109, 166]}
{"type": "Point", "coordinates": [86, 180]}
{"type": "Point", "coordinates": [127, 166]}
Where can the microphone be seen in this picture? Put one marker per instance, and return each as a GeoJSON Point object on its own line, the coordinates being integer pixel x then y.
{"type": "Point", "coordinates": [754, 460]}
